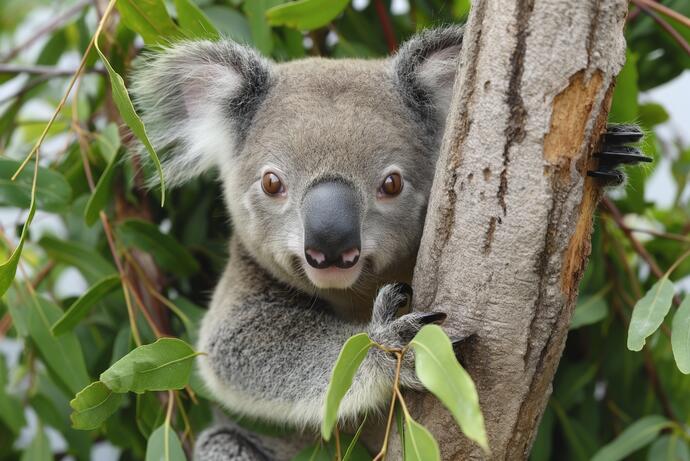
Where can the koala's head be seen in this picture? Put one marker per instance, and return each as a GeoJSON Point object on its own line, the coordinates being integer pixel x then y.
{"type": "Point", "coordinates": [326, 164]}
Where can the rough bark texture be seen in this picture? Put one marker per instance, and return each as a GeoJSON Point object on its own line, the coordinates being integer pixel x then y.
{"type": "Point", "coordinates": [509, 222]}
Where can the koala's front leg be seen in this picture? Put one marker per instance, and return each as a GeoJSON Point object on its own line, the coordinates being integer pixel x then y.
{"type": "Point", "coordinates": [270, 353]}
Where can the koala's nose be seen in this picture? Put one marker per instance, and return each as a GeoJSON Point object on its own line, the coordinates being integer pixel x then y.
{"type": "Point", "coordinates": [330, 213]}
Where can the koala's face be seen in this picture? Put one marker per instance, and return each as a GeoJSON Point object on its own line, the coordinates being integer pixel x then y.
{"type": "Point", "coordinates": [326, 164]}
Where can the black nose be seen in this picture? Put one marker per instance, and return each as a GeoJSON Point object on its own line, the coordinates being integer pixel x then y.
{"type": "Point", "coordinates": [330, 213]}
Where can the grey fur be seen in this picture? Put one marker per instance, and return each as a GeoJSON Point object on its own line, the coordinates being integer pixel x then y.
{"type": "Point", "coordinates": [272, 335]}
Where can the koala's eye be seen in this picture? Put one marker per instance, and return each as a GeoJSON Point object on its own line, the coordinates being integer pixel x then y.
{"type": "Point", "coordinates": [392, 185]}
{"type": "Point", "coordinates": [271, 184]}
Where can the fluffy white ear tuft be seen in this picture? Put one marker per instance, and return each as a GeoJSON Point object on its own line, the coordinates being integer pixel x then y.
{"type": "Point", "coordinates": [424, 69]}
{"type": "Point", "coordinates": [197, 100]}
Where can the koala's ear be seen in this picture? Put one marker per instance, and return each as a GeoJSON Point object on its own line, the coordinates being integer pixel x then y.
{"type": "Point", "coordinates": [197, 100]}
{"type": "Point", "coordinates": [424, 71]}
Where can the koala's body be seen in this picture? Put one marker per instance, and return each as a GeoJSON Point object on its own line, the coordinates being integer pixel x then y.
{"type": "Point", "coordinates": [326, 167]}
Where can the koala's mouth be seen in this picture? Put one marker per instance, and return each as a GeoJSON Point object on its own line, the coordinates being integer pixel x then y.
{"type": "Point", "coordinates": [333, 277]}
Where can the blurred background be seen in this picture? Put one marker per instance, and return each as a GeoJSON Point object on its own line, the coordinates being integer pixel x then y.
{"type": "Point", "coordinates": [95, 223]}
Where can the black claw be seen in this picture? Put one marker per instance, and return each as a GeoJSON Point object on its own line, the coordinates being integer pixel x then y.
{"type": "Point", "coordinates": [406, 290]}
{"type": "Point", "coordinates": [432, 317]}
{"type": "Point", "coordinates": [613, 177]}
{"type": "Point", "coordinates": [622, 134]}
{"type": "Point", "coordinates": [615, 155]}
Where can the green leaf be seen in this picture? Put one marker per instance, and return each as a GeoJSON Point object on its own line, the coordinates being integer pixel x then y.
{"type": "Point", "coordinates": [108, 142]}
{"type": "Point", "coordinates": [350, 358]}
{"type": "Point", "coordinates": [93, 405]}
{"type": "Point", "coordinates": [632, 438]}
{"type": "Point", "coordinates": [39, 448]}
{"type": "Point", "coordinates": [669, 448]}
{"type": "Point", "coordinates": [54, 192]}
{"type": "Point", "coordinates": [80, 308]}
{"type": "Point", "coordinates": [150, 413]}
{"type": "Point", "coordinates": [11, 409]}
{"type": "Point", "coordinates": [624, 104]}
{"type": "Point", "coordinates": [8, 269]}
{"type": "Point", "coordinates": [194, 22]}
{"type": "Point", "coordinates": [652, 114]}
{"type": "Point", "coordinates": [167, 252]}
{"type": "Point", "coordinates": [103, 190]}
{"type": "Point", "coordinates": [306, 14]}
{"type": "Point", "coordinates": [63, 356]}
{"type": "Point", "coordinates": [649, 313]}
{"type": "Point", "coordinates": [352, 448]}
{"type": "Point", "coordinates": [93, 266]}
{"type": "Point", "coordinates": [589, 311]}
{"type": "Point", "coordinates": [231, 23]}
{"type": "Point", "coordinates": [440, 372]}
{"type": "Point", "coordinates": [163, 365]}
{"type": "Point", "coordinates": [420, 445]}
{"type": "Point", "coordinates": [126, 110]}
{"type": "Point", "coordinates": [150, 19]}
{"type": "Point", "coordinates": [680, 336]}
{"type": "Point", "coordinates": [163, 445]}
{"type": "Point", "coordinates": [258, 25]}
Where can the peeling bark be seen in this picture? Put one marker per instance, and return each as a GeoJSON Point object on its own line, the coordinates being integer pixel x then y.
{"type": "Point", "coordinates": [510, 217]}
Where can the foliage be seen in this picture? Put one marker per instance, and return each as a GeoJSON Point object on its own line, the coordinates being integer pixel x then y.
{"type": "Point", "coordinates": [105, 267]}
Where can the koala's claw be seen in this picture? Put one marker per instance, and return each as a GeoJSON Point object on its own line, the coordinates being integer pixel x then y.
{"type": "Point", "coordinates": [432, 317]}
{"type": "Point", "coordinates": [615, 151]}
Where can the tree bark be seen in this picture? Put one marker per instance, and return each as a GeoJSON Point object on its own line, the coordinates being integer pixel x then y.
{"type": "Point", "coordinates": [508, 229]}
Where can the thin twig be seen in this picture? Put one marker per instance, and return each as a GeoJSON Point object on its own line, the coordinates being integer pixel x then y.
{"type": "Point", "coordinates": [47, 71]}
{"type": "Point", "coordinates": [386, 25]}
{"type": "Point", "coordinates": [666, 11]}
{"type": "Point", "coordinates": [57, 22]}
{"type": "Point", "coordinates": [396, 382]}
{"type": "Point", "coordinates": [663, 235]}
{"type": "Point", "coordinates": [637, 246]}
{"type": "Point", "coordinates": [644, 6]}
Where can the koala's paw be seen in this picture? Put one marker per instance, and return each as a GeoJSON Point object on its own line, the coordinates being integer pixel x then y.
{"type": "Point", "coordinates": [615, 151]}
{"type": "Point", "coordinates": [396, 332]}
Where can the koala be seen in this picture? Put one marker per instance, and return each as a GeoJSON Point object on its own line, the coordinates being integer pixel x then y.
{"type": "Point", "coordinates": [326, 167]}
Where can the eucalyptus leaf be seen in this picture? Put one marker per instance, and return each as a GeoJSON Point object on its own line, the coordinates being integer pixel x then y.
{"type": "Point", "coordinates": [633, 438]}
{"type": "Point", "coordinates": [680, 336]}
{"type": "Point", "coordinates": [150, 19]}
{"type": "Point", "coordinates": [352, 354]}
{"type": "Point", "coordinates": [306, 14]}
{"type": "Point", "coordinates": [588, 312]}
{"type": "Point", "coordinates": [8, 269]}
{"type": "Point", "coordinates": [669, 448]}
{"type": "Point", "coordinates": [163, 365]}
{"type": "Point", "coordinates": [93, 405]}
{"type": "Point", "coordinates": [126, 109]}
{"type": "Point", "coordinates": [11, 408]}
{"type": "Point", "coordinates": [63, 355]}
{"type": "Point", "coordinates": [103, 190]}
{"type": "Point", "coordinates": [167, 252]}
{"type": "Point", "coordinates": [649, 313]}
{"type": "Point", "coordinates": [440, 372]}
{"type": "Point", "coordinates": [92, 265]}
{"type": "Point", "coordinates": [194, 22]}
{"type": "Point", "coordinates": [53, 191]}
{"type": "Point", "coordinates": [80, 308]}
{"type": "Point", "coordinates": [164, 445]}
{"type": "Point", "coordinates": [420, 445]}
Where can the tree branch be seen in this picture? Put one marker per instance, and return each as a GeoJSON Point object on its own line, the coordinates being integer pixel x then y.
{"type": "Point", "coordinates": [48, 71]}
{"type": "Point", "coordinates": [509, 220]}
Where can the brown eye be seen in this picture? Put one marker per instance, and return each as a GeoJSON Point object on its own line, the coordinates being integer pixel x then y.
{"type": "Point", "coordinates": [392, 185]}
{"type": "Point", "coordinates": [271, 184]}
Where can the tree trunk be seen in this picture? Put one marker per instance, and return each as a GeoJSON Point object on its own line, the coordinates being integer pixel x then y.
{"type": "Point", "coordinates": [510, 216]}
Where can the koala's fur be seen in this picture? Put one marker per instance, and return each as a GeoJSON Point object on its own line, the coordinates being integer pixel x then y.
{"type": "Point", "coordinates": [271, 335]}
